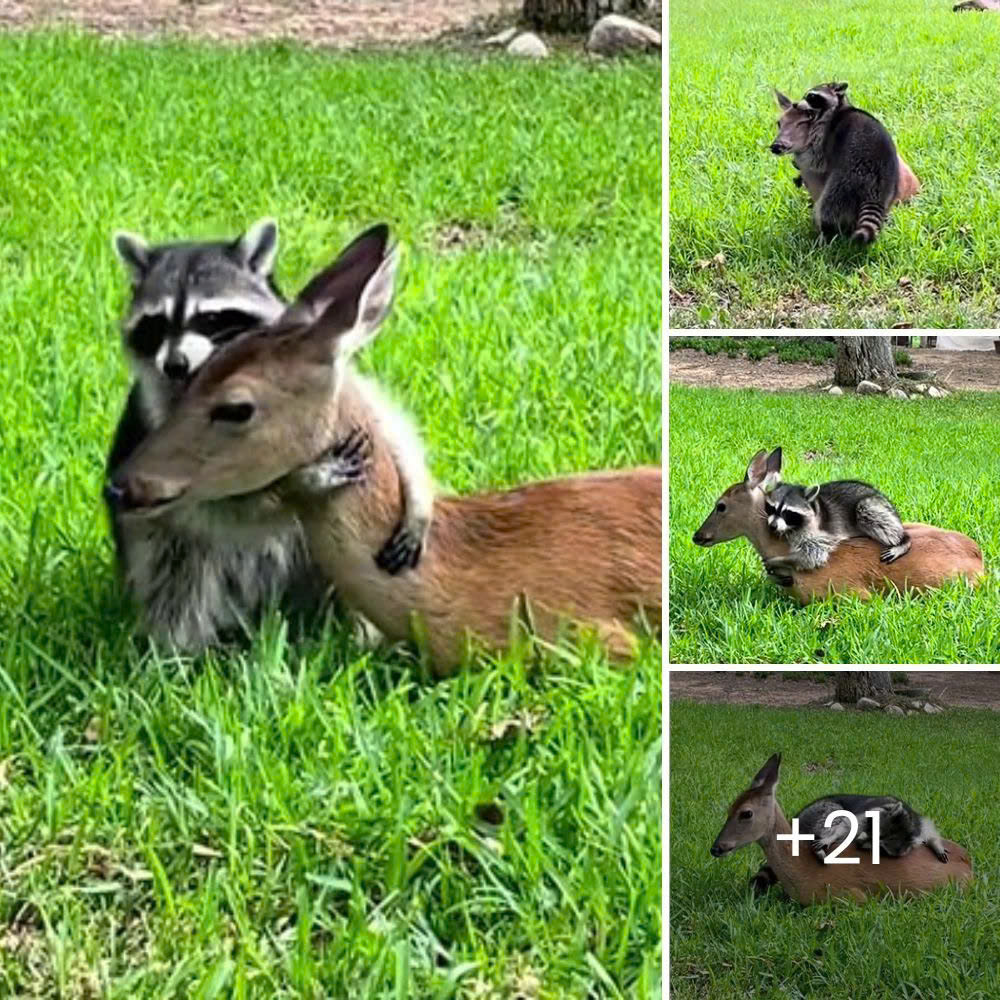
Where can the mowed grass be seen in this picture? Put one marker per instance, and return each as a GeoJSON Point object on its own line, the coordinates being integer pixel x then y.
{"type": "Point", "coordinates": [299, 817]}
{"type": "Point", "coordinates": [725, 945]}
{"type": "Point", "coordinates": [916, 66]}
{"type": "Point", "coordinates": [937, 460]}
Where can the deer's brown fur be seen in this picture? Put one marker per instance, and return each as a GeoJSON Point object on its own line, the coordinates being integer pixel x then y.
{"type": "Point", "coordinates": [806, 879]}
{"type": "Point", "coordinates": [936, 555]}
{"type": "Point", "coordinates": [583, 549]}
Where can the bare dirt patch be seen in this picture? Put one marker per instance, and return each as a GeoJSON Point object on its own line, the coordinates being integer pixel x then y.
{"type": "Point", "coordinates": [979, 370]}
{"type": "Point", "coordinates": [332, 23]}
{"type": "Point", "coordinates": [952, 688]}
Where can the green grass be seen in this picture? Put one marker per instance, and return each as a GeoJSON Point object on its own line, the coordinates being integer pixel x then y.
{"type": "Point", "coordinates": [727, 946]}
{"type": "Point", "coordinates": [937, 460]}
{"type": "Point", "coordinates": [915, 65]}
{"type": "Point", "coordinates": [300, 818]}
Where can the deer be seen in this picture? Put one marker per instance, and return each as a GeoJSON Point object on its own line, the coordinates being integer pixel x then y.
{"type": "Point", "coordinates": [582, 552]}
{"type": "Point", "coordinates": [757, 816]}
{"type": "Point", "coordinates": [935, 557]}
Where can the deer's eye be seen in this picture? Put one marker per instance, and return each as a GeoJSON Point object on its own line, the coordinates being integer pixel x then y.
{"type": "Point", "coordinates": [720, 507]}
{"type": "Point", "coordinates": [770, 508]}
{"type": "Point", "coordinates": [233, 413]}
{"type": "Point", "coordinates": [746, 814]}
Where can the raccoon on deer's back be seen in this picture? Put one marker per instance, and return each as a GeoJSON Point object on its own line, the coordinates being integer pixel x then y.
{"type": "Point", "coordinates": [846, 158]}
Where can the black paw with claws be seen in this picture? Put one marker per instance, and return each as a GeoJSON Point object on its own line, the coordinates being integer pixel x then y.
{"type": "Point", "coordinates": [347, 460]}
{"type": "Point", "coordinates": [402, 551]}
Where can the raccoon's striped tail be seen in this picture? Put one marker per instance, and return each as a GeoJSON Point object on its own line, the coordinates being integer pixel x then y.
{"type": "Point", "coordinates": [870, 220]}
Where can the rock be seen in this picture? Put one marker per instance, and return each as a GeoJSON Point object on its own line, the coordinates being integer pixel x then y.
{"type": "Point", "coordinates": [931, 709]}
{"type": "Point", "coordinates": [916, 704]}
{"type": "Point", "coordinates": [894, 710]}
{"type": "Point", "coordinates": [944, 392]}
{"type": "Point", "coordinates": [866, 388]}
{"type": "Point", "coordinates": [835, 390]}
{"type": "Point", "coordinates": [868, 705]}
{"type": "Point", "coordinates": [897, 394]}
{"type": "Point", "coordinates": [934, 392]}
{"type": "Point", "coordinates": [504, 38]}
{"type": "Point", "coordinates": [910, 711]}
{"type": "Point", "coordinates": [921, 387]}
{"type": "Point", "coordinates": [914, 395]}
{"type": "Point", "coordinates": [614, 35]}
{"type": "Point", "coordinates": [529, 45]}
{"type": "Point", "coordinates": [837, 707]}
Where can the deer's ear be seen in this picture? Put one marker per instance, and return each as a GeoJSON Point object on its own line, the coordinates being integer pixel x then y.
{"type": "Point", "coordinates": [767, 776]}
{"type": "Point", "coordinates": [345, 303]}
{"type": "Point", "coordinates": [757, 469]}
{"type": "Point", "coordinates": [783, 102]}
{"type": "Point", "coordinates": [810, 493]}
{"type": "Point", "coordinates": [134, 253]}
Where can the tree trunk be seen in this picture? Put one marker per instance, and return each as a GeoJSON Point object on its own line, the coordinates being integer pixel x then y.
{"type": "Point", "coordinates": [854, 684]}
{"type": "Point", "coordinates": [860, 358]}
{"type": "Point", "coordinates": [575, 15]}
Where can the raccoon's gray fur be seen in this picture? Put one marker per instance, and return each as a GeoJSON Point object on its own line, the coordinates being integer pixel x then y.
{"type": "Point", "coordinates": [200, 573]}
{"type": "Point", "coordinates": [901, 828]}
{"type": "Point", "coordinates": [848, 153]}
{"type": "Point", "coordinates": [814, 520]}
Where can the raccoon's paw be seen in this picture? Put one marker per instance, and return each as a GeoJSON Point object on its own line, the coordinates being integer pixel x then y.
{"type": "Point", "coordinates": [820, 849]}
{"type": "Point", "coordinates": [344, 463]}
{"type": "Point", "coordinates": [940, 852]}
{"type": "Point", "coordinates": [403, 549]}
{"type": "Point", "coordinates": [891, 554]}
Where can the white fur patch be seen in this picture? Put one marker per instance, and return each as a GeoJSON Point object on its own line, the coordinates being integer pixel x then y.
{"type": "Point", "coordinates": [196, 348]}
{"type": "Point", "coordinates": [267, 310]}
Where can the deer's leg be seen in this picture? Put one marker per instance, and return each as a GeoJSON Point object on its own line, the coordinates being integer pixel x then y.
{"type": "Point", "coordinates": [763, 880]}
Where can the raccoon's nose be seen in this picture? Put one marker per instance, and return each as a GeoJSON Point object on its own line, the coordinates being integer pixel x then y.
{"type": "Point", "coordinates": [176, 367]}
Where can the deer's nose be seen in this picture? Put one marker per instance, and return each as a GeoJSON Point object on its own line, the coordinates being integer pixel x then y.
{"type": "Point", "coordinates": [700, 538]}
{"type": "Point", "coordinates": [135, 494]}
{"type": "Point", "coordinates": [716, 851]}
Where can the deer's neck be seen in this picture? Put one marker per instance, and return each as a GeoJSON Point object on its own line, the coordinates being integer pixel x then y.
{"type": "Point", "coordinates": [766, 544]}
{"type": "Point", "coordinates": [789, 870]}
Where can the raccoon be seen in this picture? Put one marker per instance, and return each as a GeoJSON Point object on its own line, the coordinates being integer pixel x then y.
{"type": "Point", "coordinates": [814, 520]}
{"type": "Point", "coordinates": [202, 574]}
{"type": "Point", "coordinates": [901, 828]}
{"type": "Point", "coordinates": [845, 157]}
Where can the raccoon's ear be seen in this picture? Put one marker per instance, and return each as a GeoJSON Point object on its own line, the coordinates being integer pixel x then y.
{"type": "Point", "coordinates": [783, 102]}
{"type": "Point", "coordinates": [256, 248]}
{"type": "Point", "coordinates": [810, 493]}
{"type": "Point", "coordinates": [134, 253]}
{"type": "Point", "coordinates": [839, 88]}
{"type": "Point", "coordinates": [346, 303]}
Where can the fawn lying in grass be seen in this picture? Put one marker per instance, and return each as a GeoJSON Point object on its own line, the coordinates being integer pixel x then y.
{"type": "Point", "coordinates": [584, 550]}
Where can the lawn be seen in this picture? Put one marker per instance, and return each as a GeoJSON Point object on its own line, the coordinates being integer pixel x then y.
{"type": "Point", "coordinates": [727, 946]}
{"type": "Point", "coordinates": [937, 460]}
{"type": "Point", "coordinates": [299, 817]}
{"type": "Point", "coordinates": [914, 64]}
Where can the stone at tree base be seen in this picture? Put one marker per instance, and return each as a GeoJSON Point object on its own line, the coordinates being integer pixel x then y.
{"type": "Point", "coordinates": [894, 710]}
{"type": "Point", "coordinates": [934, 392]}
{"type": "Point", "coordinates": [503, 38]}
{"type": "Point", "coordinates": [614, 35]}
{"type": "Point", "coordinates": [868, 705]}
{"type": "Point", "coordinates": [837, 707]}
{"type": "Point", "coordinates": [897, 394]}
{"type": "Point", "coordinates": [529, 45]}
{"type": "Point", "coordinates": [835, 390]}
{"type": "Point", "coordinates": [914, 395]}
{"type": "Point", "coordinates": [866, 388]}
{"type": "Point", "coordinates": [921, 387]}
